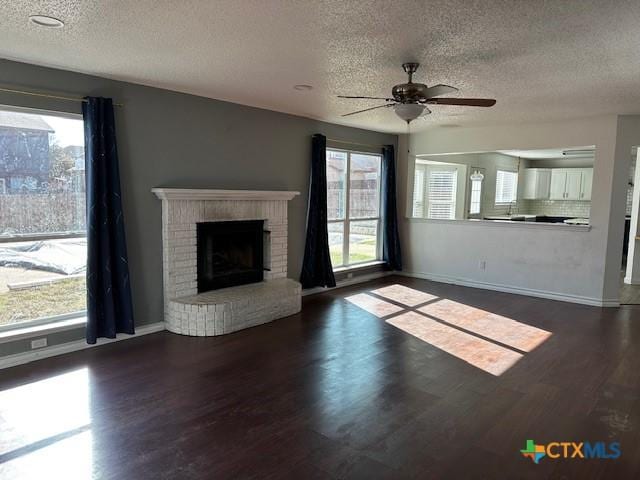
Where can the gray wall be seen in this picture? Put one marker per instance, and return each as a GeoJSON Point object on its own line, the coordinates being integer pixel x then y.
{"type": "Point", "coordinates": [172, 139]}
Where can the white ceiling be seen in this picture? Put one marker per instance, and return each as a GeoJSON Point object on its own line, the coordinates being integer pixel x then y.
{"type": "Point", "coordinates": [541, 60]}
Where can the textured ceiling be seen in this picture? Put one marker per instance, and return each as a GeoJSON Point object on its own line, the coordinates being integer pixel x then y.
{"type": "Point", "coordinates": [541, 59]}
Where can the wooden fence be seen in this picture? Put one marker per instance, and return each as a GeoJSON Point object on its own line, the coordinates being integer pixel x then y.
{"type": "Point", "coordinates": [42, 213]}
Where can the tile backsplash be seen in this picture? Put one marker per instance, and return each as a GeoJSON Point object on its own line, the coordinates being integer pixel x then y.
{"type": "Point", "coordinates": [561, 208]}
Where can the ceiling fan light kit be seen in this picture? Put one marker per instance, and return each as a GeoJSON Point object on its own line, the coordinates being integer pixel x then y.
{"type": "Point", "coordinates": [408, 111]}
{"type": "Point", "coordinates": [409, 99]}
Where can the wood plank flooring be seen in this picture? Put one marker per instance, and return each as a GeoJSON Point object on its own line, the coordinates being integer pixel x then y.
{"type": "Point", "coordinates": [338, 392]}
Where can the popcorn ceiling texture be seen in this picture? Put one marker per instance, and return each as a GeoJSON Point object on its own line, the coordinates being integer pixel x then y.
{"type": "Point", "coordinates": [541, 60]}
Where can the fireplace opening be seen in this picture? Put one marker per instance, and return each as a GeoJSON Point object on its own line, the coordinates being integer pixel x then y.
{"type": "Point", "coordinates": [229, 253]}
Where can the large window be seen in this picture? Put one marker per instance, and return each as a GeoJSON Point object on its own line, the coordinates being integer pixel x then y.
{"type": "Point", "coordinates": [42, 217]}
{"type": "Point", "coordinates": [353, 201]}
{"type": "Point", "coordinates": [506, 186]}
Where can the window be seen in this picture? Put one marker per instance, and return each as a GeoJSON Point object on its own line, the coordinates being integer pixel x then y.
{"type": "Point", "coordinates": [475, 201]}
{"type": "Point", "coordinates": [506, 186]}
{"type": "Point", "coordinates": [418, 191]}
{"type": "Point", "coordinates": [43, 244]}
{"type": "Point", "coordinates": [353, 207]}
{"type": "Point", "coordinates": [435, 191]}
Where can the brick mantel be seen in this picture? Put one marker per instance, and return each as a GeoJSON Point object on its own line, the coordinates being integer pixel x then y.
{"type": "Point", "coordinates": [190, 313]}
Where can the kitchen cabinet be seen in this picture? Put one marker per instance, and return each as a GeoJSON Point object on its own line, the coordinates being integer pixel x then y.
{"type": "Point", "coordinates": [536, 183]}
{"type": "Point", "coordinates": [574, 181]}
{"type": "Point", "coordinates": [585, 186]}
{"type": "Point", "coordinates": [571, 183]}
{"type": "Point", "coordinates": [557, 189]}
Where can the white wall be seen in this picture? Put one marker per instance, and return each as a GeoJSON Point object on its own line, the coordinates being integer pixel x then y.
{"type": "Point", "coordinates": [555, 262]}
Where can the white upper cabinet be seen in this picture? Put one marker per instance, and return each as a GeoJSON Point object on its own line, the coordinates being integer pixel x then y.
{"type": "Point", "coordinates": [558, 183]}
{"type": "Point", "coordinates": [571, 184]}
{"type": "Point", "coordinates": [574, 181]}
{"type": "Point", "coordinates": [585, 186]}
{"type": "Point", "coordinates": [536, 183]}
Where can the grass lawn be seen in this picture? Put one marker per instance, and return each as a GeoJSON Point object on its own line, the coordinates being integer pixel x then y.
{"type": "Point", "coordinates": [63, 296]}
{"type": "Point", "coordinates": [362, 251]}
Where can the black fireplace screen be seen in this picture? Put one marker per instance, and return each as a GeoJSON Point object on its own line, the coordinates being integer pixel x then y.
{"type": "Point", "coordinates": [229, 253]}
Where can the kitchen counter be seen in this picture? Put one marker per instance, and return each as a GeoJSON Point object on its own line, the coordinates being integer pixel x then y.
{"type": "Point", "coordinates": [538, 219]}
{"type": "Point", "coordinates": [577, 221]}
{"type": "Point", "coordinates": [513, 218]}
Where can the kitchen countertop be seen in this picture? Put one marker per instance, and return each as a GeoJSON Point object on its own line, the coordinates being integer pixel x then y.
{"type": "Point", "coordinates": [577, 221]}
{"type": "Point", "coordinates": [526, 217]}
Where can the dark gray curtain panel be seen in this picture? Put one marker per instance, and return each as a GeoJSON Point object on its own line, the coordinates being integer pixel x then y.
{"type": "Point", "coordinates": [316, 266]}
{"type": "Point", "coordinates": [109, 304]}
{"type": "Point", "coordinates": [391, 253]}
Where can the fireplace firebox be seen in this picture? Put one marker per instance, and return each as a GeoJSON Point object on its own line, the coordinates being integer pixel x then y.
{"type": "Point", "coordinates": [229, 253]}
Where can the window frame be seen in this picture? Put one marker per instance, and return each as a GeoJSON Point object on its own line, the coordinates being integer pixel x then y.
{"type": "Point", "coordinates": [51, 319]}
{"type": "Point", "coordinates": [347, 211]}
{"type": "Point", "coordinates": [495, 197]}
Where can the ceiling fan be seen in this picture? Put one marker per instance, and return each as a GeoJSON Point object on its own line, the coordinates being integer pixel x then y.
{"type": "Point", "coordinates": [409, 100]}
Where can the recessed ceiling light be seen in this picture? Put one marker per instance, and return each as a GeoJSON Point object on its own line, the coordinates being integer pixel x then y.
{"type": "Point", "coordinates": [303, 88]}
{"type": "Point", "coordinates": [46, 21]}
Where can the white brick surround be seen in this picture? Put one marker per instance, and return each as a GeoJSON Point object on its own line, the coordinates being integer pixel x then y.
{"type": "Point", "coordinates": [229, 309]}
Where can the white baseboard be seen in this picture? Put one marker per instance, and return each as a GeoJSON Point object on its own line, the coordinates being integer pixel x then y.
{"type": "Point", "coordinates": [563, 297]}
{"type": "Point", "coordinates": [347, 282]}
{"type": "Point", "coordinates": [31, 356]}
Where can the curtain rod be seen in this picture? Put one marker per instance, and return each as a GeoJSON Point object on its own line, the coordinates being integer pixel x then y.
{"type": "Point", "coordinates": [46, 95]}
{"type": "Point", "coordinates": [355, 143]}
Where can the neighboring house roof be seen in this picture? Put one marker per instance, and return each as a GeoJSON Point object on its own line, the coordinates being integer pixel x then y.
{"type": "Point", "coordinates": [24, 121]}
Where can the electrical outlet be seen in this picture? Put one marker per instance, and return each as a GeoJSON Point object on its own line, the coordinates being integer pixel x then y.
{"type": "Point", "coordinates": [38, 343]}
{"type": "Point", "coordinates": [349, 275]}
{"type": "Point", "coordinates": [482, 265]}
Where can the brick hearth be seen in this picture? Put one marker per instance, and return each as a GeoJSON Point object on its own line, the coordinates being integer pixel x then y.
{"type": "Point", "coordinates": [229, 309]}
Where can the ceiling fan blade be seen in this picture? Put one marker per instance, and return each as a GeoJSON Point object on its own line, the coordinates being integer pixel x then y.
{"type": "Point", "coordinates": [367, 109]}
{"type": "Point", "coordinates": [471, 102]}
{"type": "Point", "coordinates": [437, 90]}
{"type": "Point", "coordinates": [367, 98]}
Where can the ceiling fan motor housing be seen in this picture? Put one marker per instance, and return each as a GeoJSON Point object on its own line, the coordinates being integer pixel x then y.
{"type": "Point", "coordinates": [409, 92]}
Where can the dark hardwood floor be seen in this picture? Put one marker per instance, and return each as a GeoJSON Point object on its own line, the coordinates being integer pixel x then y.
{"type": "Point", "coordinates": [338, 392]}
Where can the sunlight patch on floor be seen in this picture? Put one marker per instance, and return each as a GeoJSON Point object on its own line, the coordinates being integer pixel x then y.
{"type": "Point", "coordinates": [480, 353]}
{"type": "Point", "coordinates": [70, 459]}
{"type": "Point", "coordinates": [404, 295]}
{"type": "Point", "coordinates": [496, 327]}
{"type": "Point", "coordinates": [373, 305]}
{"type": "Point", "coordinates": [486, 340]}
{"type": "Point", "coordinates": [45, 428]}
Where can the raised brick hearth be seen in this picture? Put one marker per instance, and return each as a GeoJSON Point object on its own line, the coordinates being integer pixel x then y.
{"type": "Point", "coordinates": [188, 312]}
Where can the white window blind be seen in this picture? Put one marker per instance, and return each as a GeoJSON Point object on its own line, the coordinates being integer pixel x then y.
{"type": "Point", "coordinates": [506, 186]}
{"type": "Point", "coordinates": [441, 186]}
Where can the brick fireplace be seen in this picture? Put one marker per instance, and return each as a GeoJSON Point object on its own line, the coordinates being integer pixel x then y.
{"type": "Point", "coordinates": [212, 310]}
